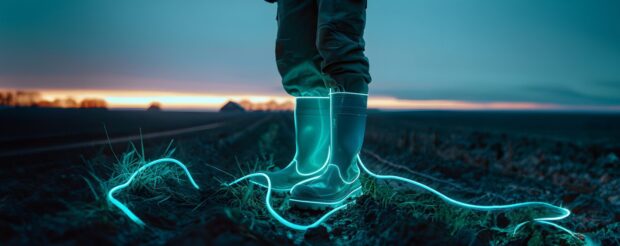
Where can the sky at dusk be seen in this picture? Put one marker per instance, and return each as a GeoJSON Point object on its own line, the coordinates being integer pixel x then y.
{"type": "Point", "coordinates": [526, 51]}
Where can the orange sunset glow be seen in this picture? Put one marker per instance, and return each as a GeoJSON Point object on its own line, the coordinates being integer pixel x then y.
{"type": "Point", "coordinates": [127, 99]}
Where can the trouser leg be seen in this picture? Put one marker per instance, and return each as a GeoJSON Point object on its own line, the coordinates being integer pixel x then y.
{"type": "Point", "coordinates": [297, 58]}
{"type": "Point", "coordinates": [340, 42]}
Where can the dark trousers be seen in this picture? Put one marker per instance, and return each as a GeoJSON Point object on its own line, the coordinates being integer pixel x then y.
{"type": "Point", "coordinates": [320, 46]}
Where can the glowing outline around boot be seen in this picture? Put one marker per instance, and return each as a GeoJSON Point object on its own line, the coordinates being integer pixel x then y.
{"type": "Point", "coordinates": [294, 161]}
{"type": "Point", "coordinates": [329, 160]}
{"type": "Point", "coordinates": [331, 137]}
{"type": "Point", "coordinates": [301, 174]}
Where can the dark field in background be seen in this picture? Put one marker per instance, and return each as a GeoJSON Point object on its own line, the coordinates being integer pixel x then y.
{"type": "Point", "coordinates": [482, 157]}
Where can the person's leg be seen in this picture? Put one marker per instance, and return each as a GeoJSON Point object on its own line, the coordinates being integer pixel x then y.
{"type": "Point", "coordinates": [297, 57]}
{"type": "Point", "coordinates": [299, 65]}
{"type": "Point", "coordinates": [340, 42]}
{"type": "Point", "coordinates": [341, 45]}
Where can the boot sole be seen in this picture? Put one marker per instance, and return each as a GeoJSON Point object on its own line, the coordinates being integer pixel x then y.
{"type": "Point", "coordinates": [324, 205]}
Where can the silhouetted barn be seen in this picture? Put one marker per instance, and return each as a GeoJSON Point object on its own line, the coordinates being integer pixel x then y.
{"type": "Point", "coordinates": [231, 106]}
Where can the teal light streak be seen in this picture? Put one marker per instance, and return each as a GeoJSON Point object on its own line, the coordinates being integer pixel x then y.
{"type": "Point", "coordinates": [543, 220]}
{"type": "Point", "coordinates": [277, 216]}
{"type": "Point", "coordinates": [118, 188]}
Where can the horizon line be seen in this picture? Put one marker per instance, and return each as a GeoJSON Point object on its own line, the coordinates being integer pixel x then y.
{"type": "Point", "coordinates": [186, 101]}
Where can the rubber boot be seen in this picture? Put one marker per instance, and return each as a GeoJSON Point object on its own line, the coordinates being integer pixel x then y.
{"type": "Point", "coordinates": [311, 144]}
{"type": "Point", "coordinates": [339, 181]}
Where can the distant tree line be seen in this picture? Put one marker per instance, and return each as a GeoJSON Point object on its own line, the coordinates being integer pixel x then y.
{"type": "Point", "coordinates": [34, 99]}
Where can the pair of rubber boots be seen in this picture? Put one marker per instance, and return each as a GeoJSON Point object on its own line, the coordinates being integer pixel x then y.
{"type": "Point", "coordinates": [329, 132]}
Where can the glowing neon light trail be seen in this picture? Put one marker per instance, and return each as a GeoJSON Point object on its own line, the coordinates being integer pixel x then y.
{"type": "Point", "coordinates": [562, 212]}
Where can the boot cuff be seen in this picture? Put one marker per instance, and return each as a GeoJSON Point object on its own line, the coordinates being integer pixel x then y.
{"type": "Point", "coordinates": [349, 103]}
{"type": "Point", "coordinates": [312, 105]}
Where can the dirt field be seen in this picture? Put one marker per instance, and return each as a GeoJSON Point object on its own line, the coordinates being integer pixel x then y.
{"type": "Point", "coordinates": [57, 166]}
